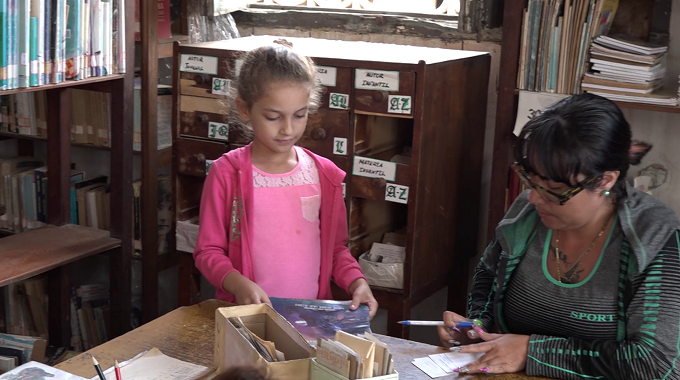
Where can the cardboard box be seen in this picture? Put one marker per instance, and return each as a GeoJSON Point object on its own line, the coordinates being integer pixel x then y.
{"type": "Point", "coordinates": [320, 372]}
{"type": "Point", "coordinates": [232, 349]}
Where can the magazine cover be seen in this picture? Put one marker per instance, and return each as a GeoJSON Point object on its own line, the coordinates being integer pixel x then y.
{"type": "Point", "coordinates": [322, 318]}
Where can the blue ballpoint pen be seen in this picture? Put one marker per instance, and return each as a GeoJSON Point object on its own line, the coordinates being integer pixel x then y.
{"type": "Point", "coordinates": [464, 324]}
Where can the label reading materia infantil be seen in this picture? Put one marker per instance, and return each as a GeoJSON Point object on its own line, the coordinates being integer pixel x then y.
{"type": "Point", "coordinates": [372, 168]}
{"type": "Point", "coordinates": [376, 80]}
{"type": "Point", "coordinates": [327, 75]}
{"type": "Point", "coordinates": [198, 64]}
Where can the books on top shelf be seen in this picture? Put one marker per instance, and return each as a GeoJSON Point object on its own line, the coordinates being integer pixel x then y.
{"type": "Point", "coordinates": [556, 35]}
{"type": "Point", "coordinates": [626, 70]}
{"type": "Point", "coordinates": [49, 41]}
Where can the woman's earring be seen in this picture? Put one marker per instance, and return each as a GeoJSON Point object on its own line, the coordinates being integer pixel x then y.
{"type": "Point", "coordinates": [606, 193]}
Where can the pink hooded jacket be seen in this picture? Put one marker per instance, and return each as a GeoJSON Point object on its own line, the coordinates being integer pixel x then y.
{"type": "Point", "coordinates": [224, 239]}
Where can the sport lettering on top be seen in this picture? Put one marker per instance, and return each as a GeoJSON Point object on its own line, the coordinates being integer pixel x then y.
{"type": "Point", "coordinates": [198, 64]}
{"type": "Point", "coordinates": [376, 80]}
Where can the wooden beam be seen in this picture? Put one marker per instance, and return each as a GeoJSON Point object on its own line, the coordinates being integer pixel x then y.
{"type": "Point", "coordinates": [506, 110]}
{"type": "Point", "coordinates": [121, 184]}
{"type": "Point", "coordinates": [149, 196]}
{"type": "Point", "coordinates": [59, 155]}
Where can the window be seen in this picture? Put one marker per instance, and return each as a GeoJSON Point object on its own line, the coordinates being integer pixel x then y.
{"type": "Point", "coordinates": [432, 7]}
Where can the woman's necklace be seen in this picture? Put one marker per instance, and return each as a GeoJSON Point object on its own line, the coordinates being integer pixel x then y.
{"type": "Point", "coordinates": [573, 267]}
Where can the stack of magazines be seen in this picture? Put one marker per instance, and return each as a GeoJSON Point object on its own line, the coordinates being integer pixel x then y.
{"type": "Point", "coordinates": [627, 70]}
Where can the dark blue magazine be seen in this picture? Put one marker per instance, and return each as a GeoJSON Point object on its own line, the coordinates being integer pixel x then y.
{"type": "Point", "coordinates": [322, 318]}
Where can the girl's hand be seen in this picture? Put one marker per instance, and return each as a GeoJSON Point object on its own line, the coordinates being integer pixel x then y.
{"type": "Point", "coordinates": [451, 336]}
{"type": "Point", "coordinates": [245, 291]}
{"type": "Point", "coordinates": [361, 293]}
{"type": "Point", "coordinates": [504, 353]}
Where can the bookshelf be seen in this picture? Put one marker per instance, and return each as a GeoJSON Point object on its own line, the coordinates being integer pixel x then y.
{"type": "Point", "coordinates": [630, 19]}
{"type": "Point", "coordinates": [60, 243]}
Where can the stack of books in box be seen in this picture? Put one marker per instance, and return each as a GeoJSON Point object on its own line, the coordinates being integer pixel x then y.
{"type": "Point", "coordinates": [627, 71]}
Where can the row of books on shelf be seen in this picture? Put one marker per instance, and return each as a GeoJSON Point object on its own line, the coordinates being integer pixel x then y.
{"type": "Point", "coordinates": [26, 114]}
{"type": "Point", "coordinates": [16, 350]}
{"type": "Point", "coordinates": [556, 35]}
{"type": "Point", "coordinates": [49, 41]}
{"type": "Point", "coordinates": [24, 193]}
{"type": "Point", "coordinates": [25, 314]}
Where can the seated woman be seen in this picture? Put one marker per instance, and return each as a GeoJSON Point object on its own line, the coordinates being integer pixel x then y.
{"type": "Point", "coordinates": [582, 278]}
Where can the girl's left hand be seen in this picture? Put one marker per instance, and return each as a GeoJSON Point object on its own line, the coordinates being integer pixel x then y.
{"type": "Point", "coordinates": [504, 353]}
{"type": "Point", "coordinates": [361, 293]}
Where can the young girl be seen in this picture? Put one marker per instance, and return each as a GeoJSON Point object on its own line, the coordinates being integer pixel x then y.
{"type": "Point", "coordinates": [273, 221]}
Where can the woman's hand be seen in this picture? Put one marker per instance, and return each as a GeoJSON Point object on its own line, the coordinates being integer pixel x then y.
{"type": "Point", "coordinates": [361, 293]}
{"type": "Point", "coordinates": [451, 336]}
{"type": "Point", "coordinates": [245, 291]}
{"type": "Point", "coordinates": [503, 353]}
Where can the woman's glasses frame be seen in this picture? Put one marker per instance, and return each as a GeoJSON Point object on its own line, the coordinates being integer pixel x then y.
{"type": "Point", "coordinates": [559, 199]}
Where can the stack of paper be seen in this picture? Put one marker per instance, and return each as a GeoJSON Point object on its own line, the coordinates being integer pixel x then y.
{"type": "Point", "coordinates": [153, 365]}
{"type": "Point", "coordinates": [355, 357]}
{"type": "Point", "coordinates": [626, 70]}
{"type": "Point", "coordinates": [444, 364]}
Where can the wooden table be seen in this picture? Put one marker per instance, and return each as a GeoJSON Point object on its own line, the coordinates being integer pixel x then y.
{"type": "Point", "coordinates": [48, 250]}
{"type": "Point", "coordinates": [187, 334]}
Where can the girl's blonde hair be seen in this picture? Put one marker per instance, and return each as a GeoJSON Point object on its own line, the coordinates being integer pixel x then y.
{"type": "Point", "coordinates": [271, 64]}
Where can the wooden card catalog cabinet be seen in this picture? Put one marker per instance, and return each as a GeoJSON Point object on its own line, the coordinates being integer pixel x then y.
{"type": "Point", "coordinates": [405, 123]}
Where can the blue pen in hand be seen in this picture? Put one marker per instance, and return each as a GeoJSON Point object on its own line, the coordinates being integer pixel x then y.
{"type": "Point", "coordinates": [475, 324]}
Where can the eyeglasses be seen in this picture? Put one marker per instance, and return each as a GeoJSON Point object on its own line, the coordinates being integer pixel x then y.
{"type": "Point", "coordinates": [552, 197]}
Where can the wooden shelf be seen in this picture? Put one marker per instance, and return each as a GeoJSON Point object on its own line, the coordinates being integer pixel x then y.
{"type": "Point", "coordinates": [38, 251]}
{"type": "Point", "coordinates": [640, 106]}
{"type": "Point", "coordinates": [67, 83]}
{"type": "Point", "coordinates": [648, 107]}
{"type": "Point", "coordinates": [165, 45]}
{"type": "Point", "coordinates": [165, 261]}
{"type": "Point", "coordinates": [23, 137]}
{"type": "Point", "coordinates": [164, 155]}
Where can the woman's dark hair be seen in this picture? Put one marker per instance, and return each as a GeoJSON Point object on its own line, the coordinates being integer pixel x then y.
{"type": "Point", "coordinates": [584, 134]}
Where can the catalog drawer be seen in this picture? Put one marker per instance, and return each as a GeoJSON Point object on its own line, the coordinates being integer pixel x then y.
{"type": "Point", "coordinates": [384, 92]}
{"type": "Point", "coordinates": [194, 156]}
